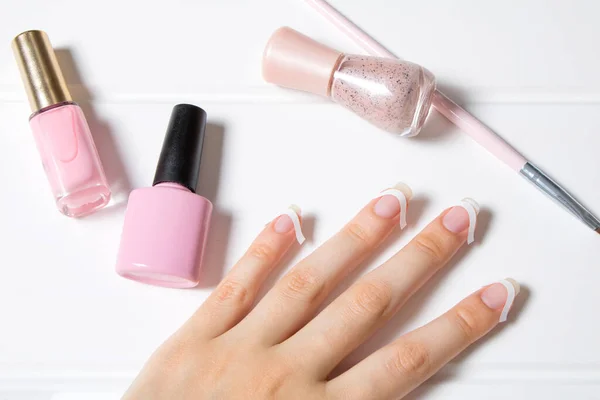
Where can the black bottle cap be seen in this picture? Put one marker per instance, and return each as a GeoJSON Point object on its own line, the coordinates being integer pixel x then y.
{"type": "Point", "coordinates": [179, 160]}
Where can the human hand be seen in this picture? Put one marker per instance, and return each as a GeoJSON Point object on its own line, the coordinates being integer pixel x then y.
{"type": "Point", "coordinates": [281, 348]}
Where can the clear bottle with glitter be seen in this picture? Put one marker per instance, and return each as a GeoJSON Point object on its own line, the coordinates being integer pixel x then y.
{"type": "Point", "coordinates": [391, 94]}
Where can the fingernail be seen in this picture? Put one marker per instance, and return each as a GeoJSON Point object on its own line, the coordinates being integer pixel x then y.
{"type": "Point", "coordinates": [284, 224]}
{"type": "Point", "coordinates": [290, 220]}
{"type": "Point", "coordinates": [462, 217]}
{"type": "Point", "coordinates": [456, 220]}
{"type": "Point", "coordinates": [392, 201]}
{"type": "Point", "coordinates": [501, 295]}
{"type": "Point", "coordinates": [387, 206]}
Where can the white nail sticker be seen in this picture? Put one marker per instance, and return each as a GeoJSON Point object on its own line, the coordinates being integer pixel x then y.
{"type": "Point", "coordinates": [403, 203]}
{"type": "Point", "coordinates": [468, 205]}
{"type": "Point", "coordinates": [509, 299]}
{"type": "Point", "coordinates": [297, 226]}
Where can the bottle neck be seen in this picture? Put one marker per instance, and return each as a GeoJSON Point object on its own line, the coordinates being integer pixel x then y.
{"type": "Point", "coordinates": [295, 61]}
{"type": "Point", "coordinates": [172, 185]}
{"type": "Point", "coordinates": [336, 66]}
{"type": "Point", "coordinates": [51, 107]}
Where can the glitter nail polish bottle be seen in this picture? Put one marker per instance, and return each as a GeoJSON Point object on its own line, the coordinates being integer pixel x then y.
{"type": "Point", "coordinates": [393, 95]}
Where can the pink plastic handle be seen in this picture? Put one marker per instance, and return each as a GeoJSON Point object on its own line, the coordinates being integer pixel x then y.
{"type": "Point", "coordinates": [449, 109]}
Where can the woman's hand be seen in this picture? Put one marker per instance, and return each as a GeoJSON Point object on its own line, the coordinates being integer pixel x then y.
{"type": "Point", "coordinates": [281, 348]}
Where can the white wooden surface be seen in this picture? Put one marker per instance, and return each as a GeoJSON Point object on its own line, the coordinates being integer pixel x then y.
{"type": "Point", "coordinates": [72, 329]}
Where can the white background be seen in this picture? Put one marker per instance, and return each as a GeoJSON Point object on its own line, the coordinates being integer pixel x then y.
{"type": "Point", "coordinates": [70, 328]}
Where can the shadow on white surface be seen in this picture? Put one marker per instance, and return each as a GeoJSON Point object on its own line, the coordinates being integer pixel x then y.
{"type": "Point", "coordinates": [209, 180]}
{"type": "Point", "coordinates": [212, 155]}
{"type": "Point", "coordinates": [484, 224]}
{"type": "Point", "coordinates": [213, 265]}
{"type": "Point", "coordinates": [458, 94]}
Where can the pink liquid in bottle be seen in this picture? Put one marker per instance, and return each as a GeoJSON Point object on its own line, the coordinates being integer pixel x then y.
{"type": "Point", "coordinates": [70, 160]}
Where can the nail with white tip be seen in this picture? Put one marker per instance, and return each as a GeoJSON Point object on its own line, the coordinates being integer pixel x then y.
{"type": "Point", "coordinates": [289, 220]}
{"type": "Point", "coordinates": [461, 217]}
{"type": "Point", "coordinates": [501, 295]}
{"type": "Point", "coordinates": [393, 201]}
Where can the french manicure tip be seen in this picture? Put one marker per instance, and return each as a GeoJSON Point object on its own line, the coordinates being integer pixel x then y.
{"type": "Point", "coordinates": [515, 284]}
{"type": "Point", "coordinates": [403, 193]}
{"type": "Point", "coordinates": [512, 289]}
{"type": "Point", "coordinates": [404, 188]}
{"type": "Point", "coordinates": [473, 203]}
{"type": "Point", "coordinates": [294, 212]}
{"type": "Point", "coordinates": [295, 208]}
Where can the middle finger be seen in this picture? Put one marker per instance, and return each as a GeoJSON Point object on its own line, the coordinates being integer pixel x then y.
{"type": "Point", "coordinates": [376, 297]}
{"type": "Point", "coordinates": [297, 296]}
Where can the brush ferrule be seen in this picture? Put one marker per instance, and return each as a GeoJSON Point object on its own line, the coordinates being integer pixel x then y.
{"type": "Point", "coordinates": [559, 195]}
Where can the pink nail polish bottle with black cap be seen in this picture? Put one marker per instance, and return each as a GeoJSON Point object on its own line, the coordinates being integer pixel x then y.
{"type": "Point", "coordinates": [166, 225]}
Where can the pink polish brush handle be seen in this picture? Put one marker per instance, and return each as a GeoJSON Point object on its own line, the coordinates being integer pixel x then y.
{"type": "Point", "coordinates": [478, 131]}
{"type": "Point", "coordinates": [468, 123]}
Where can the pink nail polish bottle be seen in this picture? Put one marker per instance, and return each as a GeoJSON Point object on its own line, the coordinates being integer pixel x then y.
{"type": "Point", "coordinates": [61, 133]}
{"type": "Point", "coordinates": [166, 225]}
{"type": "Point", "coordinates": [393, 95]}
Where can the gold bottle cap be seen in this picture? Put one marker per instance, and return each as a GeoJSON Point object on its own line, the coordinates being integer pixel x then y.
{"type": "Point", "coordinates": [44, 82]}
